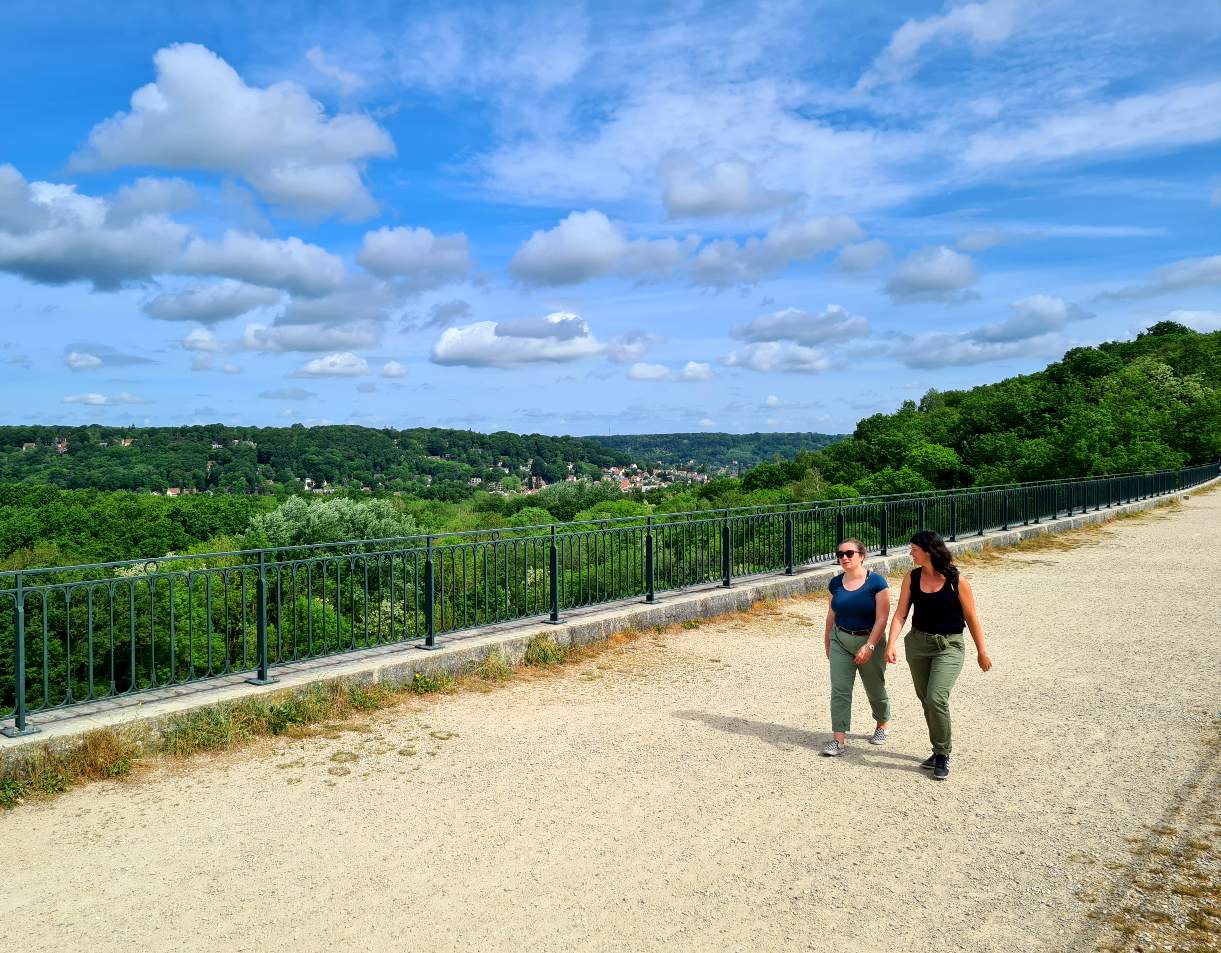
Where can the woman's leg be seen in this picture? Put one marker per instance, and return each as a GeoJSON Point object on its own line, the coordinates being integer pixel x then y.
{"type": "Point", "coordinates": [915, 649]}
{"type": "Point", "coordinates": [873, 675]}
{"type": "Point", "coordinates": [843, 678]}
{"type": "Point", "coordinates": [944, 668]}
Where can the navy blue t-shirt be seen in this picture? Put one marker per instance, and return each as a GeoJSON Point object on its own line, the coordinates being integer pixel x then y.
{"type": "Point", "coordinates": [859, 608]}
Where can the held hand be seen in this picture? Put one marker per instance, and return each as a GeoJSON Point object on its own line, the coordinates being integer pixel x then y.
{"type": "Point", "coordinates": [985, 662]}
{"type": "Point", "coordinates": [891, 656]}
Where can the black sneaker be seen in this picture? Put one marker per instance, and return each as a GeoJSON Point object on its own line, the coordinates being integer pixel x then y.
{"type": "Point", "coordinates": [941, 767]}
{"type": "Point", "coordinates": [928, 763]}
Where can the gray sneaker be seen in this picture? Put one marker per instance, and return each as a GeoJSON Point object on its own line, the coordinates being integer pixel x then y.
{"type": "Point", "coordinates": [834, 748]}
{"type": "Point", "coordinates": [879, 736]}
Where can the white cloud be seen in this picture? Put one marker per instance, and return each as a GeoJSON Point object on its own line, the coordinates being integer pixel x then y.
{"type": "Point", "coordinates": [982, 25]}
{"type": "Point", "coordinates": [725, 263]}
{"type": "Point", "coordinates": [104, 400]}
{"type": "Point", "coordinates": [287, 393]}
{"type": "Point", "coordinates": [423, 260]}
{"type": "Point", "coordinates": [588, 245]}
{"type": "Point", "coordinates": [932, 274]}
{"type": "Point", "coordinates": [393, 369]}
{"type": "Point", "coordinates": [479, 345]}
{"type": "Point", "coordinates": [863, 256]}
{"type": "Point", "coordinates": [346, 80]}
{"type": "Point", "coordinates": [771, 401]}
{"type": "Point", "coordinates": [791, 324]}
{"type": "Point", "coordinates": [726, 188]}
{"type": "Point", "coordinates": [287, 263]}
{"type": "Point", "coordinates": [982, 240]}
{"type": "Point", "coordinates": [210, 304]}
{"type": "Point", "coordinates": [937, 349]}
{"type": "Point", "coordinates": [203, 341]}
{"type": "Point", "coordinates": [200, 114]}
{"type": "Point", "coordinates": [771, 356]}
{"type": "Point", "coordinates": [1205, 321]}
{"type": "Point", "coordinates": [689, 372]}
{"type": "Point", "coordinates": [1155, 122]}
{"type": "Point", "coordinates": [343, 364]}
{"type": "Point", "coordinates": [562, 326]}
{"type": "Point", "coordinates": [82, 360]}
{"type": "Point", "coordinates": [275, 338]}
{"type": "Point", "coordinates": [630, 346]}
{"type": "Point", "coordinates": [1032, 316]}
{"type": "Point", "coordinates": [1178, 276]}
{"type": "Point", "coordinates": [149, 196]}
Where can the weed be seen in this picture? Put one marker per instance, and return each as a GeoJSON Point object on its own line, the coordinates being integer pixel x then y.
{"type": "Point", "coordinates": [691, 624]}
{"type": "Point", "coordinates": [544, 650]}
{"type": "Point", "coordinates": [12, 792]}
{"type": "Point", "coordinates": [429, 683]}
{"type": "Point", "coordinates": [492, 668]}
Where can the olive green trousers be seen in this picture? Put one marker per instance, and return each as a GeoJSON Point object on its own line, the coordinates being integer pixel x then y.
{"type": "Point", "coordinates": [843, 679]}
{"type": "Point", "coordinates": [934, 671]}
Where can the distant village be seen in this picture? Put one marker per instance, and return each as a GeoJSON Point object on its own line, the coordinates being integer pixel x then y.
{"type": "Point", "coordinates": [627, 478]}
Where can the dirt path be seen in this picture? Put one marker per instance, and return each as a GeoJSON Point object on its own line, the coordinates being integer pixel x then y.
{"type": "Point", "coordinates": [670, 796]}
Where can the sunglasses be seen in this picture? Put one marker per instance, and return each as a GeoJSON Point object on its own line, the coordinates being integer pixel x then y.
{"type": "Point", "coordinates": [847, 553]}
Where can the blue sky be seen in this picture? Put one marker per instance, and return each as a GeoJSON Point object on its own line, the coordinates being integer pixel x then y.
{"type": "Point", "coordinates": [602, 219]}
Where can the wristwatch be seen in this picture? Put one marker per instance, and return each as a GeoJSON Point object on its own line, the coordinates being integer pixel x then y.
{"type": "Point", "coordinates": [869, 645]}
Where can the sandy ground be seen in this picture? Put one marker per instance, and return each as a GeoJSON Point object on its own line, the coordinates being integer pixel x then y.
{"type": "Point", "coordinates": [669, 795]}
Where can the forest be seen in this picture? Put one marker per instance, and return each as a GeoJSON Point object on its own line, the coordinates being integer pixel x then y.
{"type": "Point", "coordinates": [737, 451]}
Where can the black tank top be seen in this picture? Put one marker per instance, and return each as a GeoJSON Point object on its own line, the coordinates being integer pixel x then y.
{"type": "Point", "coordinates": [937, 612]}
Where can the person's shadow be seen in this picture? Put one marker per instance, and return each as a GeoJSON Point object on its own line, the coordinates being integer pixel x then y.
{"type": "Point", "coordinates": [786, 738]}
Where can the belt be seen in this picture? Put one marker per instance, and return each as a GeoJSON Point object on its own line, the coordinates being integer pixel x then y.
{"type": "Point", "coordinates": [854, 631]}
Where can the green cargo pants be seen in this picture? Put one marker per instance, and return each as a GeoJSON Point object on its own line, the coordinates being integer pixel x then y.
{"type": "Point", "coordinates": [934, 672]}
{"type": "Point", "coordinates": [843, 679]}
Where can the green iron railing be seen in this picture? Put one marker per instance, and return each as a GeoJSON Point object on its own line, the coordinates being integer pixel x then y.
{"type": "Point", "coordinates": [73, 635]}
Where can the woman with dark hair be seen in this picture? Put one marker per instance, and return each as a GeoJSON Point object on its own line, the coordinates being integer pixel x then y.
{"type": "Point", "coordinates": [945, 605]}
{"type": "Point", "coordinates": [860, 603]}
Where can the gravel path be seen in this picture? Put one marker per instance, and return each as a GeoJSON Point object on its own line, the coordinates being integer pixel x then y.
{"type": "Point", "coordinates": [669, 795]}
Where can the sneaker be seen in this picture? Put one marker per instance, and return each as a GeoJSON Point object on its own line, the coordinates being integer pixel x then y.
{"type": "Point", "coordinates": [834, 748]}
{"type": "Point", "coordinates": [929, 763]}
{"type": "Point", "coordinates": [941, 767]}
{"type": "Point", "coordinates": [879, 736]}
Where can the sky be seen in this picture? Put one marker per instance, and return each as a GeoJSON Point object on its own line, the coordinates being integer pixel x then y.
{"type": "Point", "coordinates": [590, 219]}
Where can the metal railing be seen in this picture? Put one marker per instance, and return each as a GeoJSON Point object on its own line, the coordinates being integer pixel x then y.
{"type": "Point", "coordinates": [71, 635]}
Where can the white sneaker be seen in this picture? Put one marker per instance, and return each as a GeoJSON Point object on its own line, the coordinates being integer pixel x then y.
{"type": "Point", "coordinates": [834, 748]}
{"type": "Point", "coordinates": [879, 736]}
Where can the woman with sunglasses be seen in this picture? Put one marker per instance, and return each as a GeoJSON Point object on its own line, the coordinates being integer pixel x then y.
{"type": "Point", "coordinates": [860, 604]}
{"type": "Point", "coordinates": [945, 605]}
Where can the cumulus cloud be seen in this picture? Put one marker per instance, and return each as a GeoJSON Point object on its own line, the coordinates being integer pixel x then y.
{"type": "Point", "coordinates": [1178, 276]}
{"type": "Point", "coordinates": [562, 326]}
{"type": "Point", "coordinates": [104, 400]}
{"type": "Point", "coordinates": [203, 341]}
{"type": "Point", "coordinates": [287, 263]}
{"type": "Point", "coordinates": [982, 25]}
{"type": "Point", "coordinates": [782, 357]}
{"type": "Point", "coordinates": [691, 371]}
{"type": "Point", "coordinates": [862, 256]}
{"type": "Point", "coordinates": [416, 256]}
{"type": "Point", "coordinates": [588, 245]}
{"type": "Point", "coordinates": [82, 360]}
{"type": "Point", "coordinates": [210, 304]}
{"type": "Point", "coordinates": [276, 338]}
{"type": "Point", "coordinates": [51, 234]}
{"type": "Point", "coordinates": [948, 349]}
{"type": "Point", "coordinates": [149, 196]}
{"type": "Point", "coordinates": [342, 364]}
{"type": "Point", "coordinates": [932, 274]}
{"type": "Point", "coordinates": [287, 393]}
{"type": "Point", "coordinates": [481, 344]}
{"type": "Point", "coordinates": [393, 369]}
{"type": "Point", "coordinates": [726, 188]}
{"type": "Point", "coordinates": [725, 263]}
{"type": "Point", "coordinates": [1032, 316]}
{"type": "Point", "coordinates": [792, 324]}
{"type": "Point", "coordinates": [288, 148]}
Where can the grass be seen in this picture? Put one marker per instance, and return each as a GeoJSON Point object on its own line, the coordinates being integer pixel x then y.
{"type": "Point", "coordinates": [544, 650]}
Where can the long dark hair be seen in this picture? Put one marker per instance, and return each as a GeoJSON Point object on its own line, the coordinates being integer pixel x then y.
{"type": "Point", "coordinates": [938, 553]}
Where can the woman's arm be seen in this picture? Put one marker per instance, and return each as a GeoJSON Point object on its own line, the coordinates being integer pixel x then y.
{"type": "Point", "coordinates": [881, 612]}
{"type": "Point", "coordinates": [826, 636]}
{"type": "Point", "coordinates": [967, 597]}
{"type": "Point", "coordinates": [896, 624]}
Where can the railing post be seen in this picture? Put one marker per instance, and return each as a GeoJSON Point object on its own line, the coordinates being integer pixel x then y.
{"type": "Point", "coordinates": [726, 554]}
{"type": "Point", "coordinates": [21, 727]}
{"type": "Point", "coordinates": [920, 513]}
{"type": "Point", "coordinates": [430, 598]}
{"type": "Point", "coordinates": [979, 511]}
{"type": "Point", "coordinates": [840, 533]}
{"type": "Point", "coordinates": [263, 676]}
{"type": "Point", "coordinates": [553, 576]}
{"type": "Point", "coordinates": [883, 528]}
{"type": "Point", "coordinates": [1005, 510]}
{"type": "Point", "coordinates": [649, 571]}
{"type": "Point", "coordinates": [953, 518]}
{"type": "Point", "coordinates": [1178, 482]}
{"type": "Point", "coordinates": [788, 539]}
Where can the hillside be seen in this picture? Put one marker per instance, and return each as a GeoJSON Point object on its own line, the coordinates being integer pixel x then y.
{"type": "Point", "coordinates": [729, 451]}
